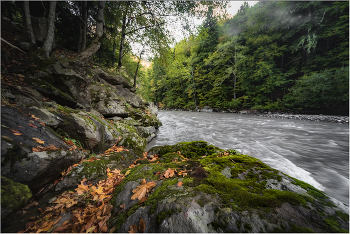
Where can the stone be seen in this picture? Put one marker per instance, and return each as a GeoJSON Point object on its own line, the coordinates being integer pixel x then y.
{"type": "Point", "coordinates": [112, 79]}
{"type": "Point", "coordinates": [25, 46]}
{"type": "Point", "coordinates": [13, 195]}
{"type": "Point", "coordinates": [226, 172]}
{"type": "Point", "coordinates": [220, 203]}
{"type": "Point", "coordinates": [207, 109]}
{"type": "Point", "coordinates": [46, 116]}
{"type": "Point", "coordinates": [152, 108]}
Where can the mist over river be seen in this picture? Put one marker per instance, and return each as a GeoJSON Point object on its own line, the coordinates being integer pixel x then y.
{"type": "Point", "coordinates": [315, 152]}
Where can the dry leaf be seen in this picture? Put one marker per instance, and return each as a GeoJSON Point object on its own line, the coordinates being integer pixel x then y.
{"type": "Point", "coordinates": [142, 226]}
{"type": "Point", "coordinates": [127, 172]}
{"type": "Point", "coordinates": [179, 184]}
{"type": "Point", "coordinates": [142, 190]}
{"type": "Point", "coordinates": [142, 200]}
{"type": "Point", "coordinates": [38, 140]}
{"type": "Point", "coordinates": [6, 138]}
{"type": "Point", "coordinates": [42, 124]}
{"type": "Point", "coordinates": [143, 181]}
{"type": "Point", "coordinates": [168, 173]}
{"type": "Point", "coordinates": [133, 228]}
{"type": "Point", "coordinates": [90, 230]}
{"type": "Point", "coordinates": [16, 132]}
{"type": "Point", "coordinates": [32, 125]}
{"type": "Point", "coordinates": [33, 116]}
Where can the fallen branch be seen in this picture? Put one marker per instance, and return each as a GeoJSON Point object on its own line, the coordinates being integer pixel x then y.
{"type": "Point", "coordinates": [12, 45]}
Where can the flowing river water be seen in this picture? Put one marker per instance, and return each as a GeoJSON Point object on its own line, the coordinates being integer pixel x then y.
{"type": "Point", "coordinates": [314, 152]}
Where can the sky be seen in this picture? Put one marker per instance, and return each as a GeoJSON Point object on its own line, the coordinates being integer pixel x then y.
{"type": "Point", "coordinates": [179, 35]}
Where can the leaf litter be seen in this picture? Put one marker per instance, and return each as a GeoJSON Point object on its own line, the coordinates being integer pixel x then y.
{"type": "Point", "coordinates": [88, 205]}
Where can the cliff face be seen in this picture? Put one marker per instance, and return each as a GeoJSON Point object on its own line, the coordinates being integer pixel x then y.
{"type": "Point", "coordinates": [60, 114]}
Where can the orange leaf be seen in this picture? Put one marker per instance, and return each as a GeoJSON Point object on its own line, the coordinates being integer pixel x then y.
{"type": "Point", "coordinates": [16, 132]}
{"type": "Point", "coordinates": [143, 181]}
{"type": "Point", "coordinates": [179, 184]}
{"type": "Point", "coordinates": [142, 190]}
{"type": "Point", "coordinates": [33, 116]}
{"type": "Point", "coordinates": [142, 226]}
{"type": "Point", "coordinates": [70, 143]}
{"type": "Point", "coordinates": [143, 200]}
{"type": "Point", "coordinates": [133, 228]}
{"type": "Point", "coordinates": [168, 173]}
{"type": "Point", "coordinates": [38, 140]}
{"type": "Point", "coordinates": [32, 125]}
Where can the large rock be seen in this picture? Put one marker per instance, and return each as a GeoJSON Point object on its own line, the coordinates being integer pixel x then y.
{"type": "Point", "coordinates": [112, 79]}
{"type": "Point", "coordinates": [152, 108]}
{"type": "Point", "coordinates": [222, 191]}
{"type": "Point", "coordinates": [13, 196]}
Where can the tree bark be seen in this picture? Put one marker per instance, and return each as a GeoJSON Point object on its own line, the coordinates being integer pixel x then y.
{"type": "Point", "coordinates": [121, 48]}
{"type": "Point", "coordinates": [137, 68]}
{"type": "Point", "coordinates": [87, 54]}
{"type": "Point", "coordinates": [28, 22]}
{"type": "Point", "coordinates": [50, 36]}
{"type": "Point", "coordinates": [83, 47]}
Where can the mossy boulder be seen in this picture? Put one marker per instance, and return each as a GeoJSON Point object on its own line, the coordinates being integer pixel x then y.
{"type": "Point", "coordinates": [13, 196]}
{"type": "Point", "coordinates": [223, 191]}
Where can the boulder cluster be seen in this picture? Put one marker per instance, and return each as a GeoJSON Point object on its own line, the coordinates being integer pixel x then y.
{"type": "Point", "coordinates": [60, 114]}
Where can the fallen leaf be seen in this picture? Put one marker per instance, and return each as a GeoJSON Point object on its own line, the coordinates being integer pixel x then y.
{"type": "Point", "coordinates": [16, 132]}
{"type": "Point", "coordinates": [90, 230]}
{"type": "Point", "coordinates": [168, 173]}
{"type": "Point", "coordinates": [142, 226]}
{"type": "Point", "coordinates": [127, 172]}
{"type": "Point", "coordinates": [33, 116]}
{"type": "Point", "coordinates": [143, 181]}
{"type": "Point", "coordinates": [179, 184]}
{"type": "Point", "coordinates": [133, 228]}
{"type": "Point", "coordinates": [122, 206]}
{"type": "Point", "coordinates": [142, 200]}
{"type": "Point", "coordinates": [42, 123]}
{"type": "Point", "coordinates": [34, 203]}
{"type": "Point", "coordinates": [32, 125]}
{"type": "Point", "coordinates": [6, 138]}
{"type": "Point", "coordinates": [141, 190]}
{"type": "Point", "coordinates": [38, 140]}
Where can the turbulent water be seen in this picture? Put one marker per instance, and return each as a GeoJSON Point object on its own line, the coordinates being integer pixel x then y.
{"type": "Point", "coordinates": [315, 152]}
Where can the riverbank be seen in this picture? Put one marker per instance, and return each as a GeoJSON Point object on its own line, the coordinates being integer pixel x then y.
{"type": "Point", "coordinates": [319, 117]}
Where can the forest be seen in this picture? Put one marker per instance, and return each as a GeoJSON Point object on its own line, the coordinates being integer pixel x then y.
{"type": "Point", "coordinates": [276, 56]}
{"type": "Point", "coordinates": [272, 56]}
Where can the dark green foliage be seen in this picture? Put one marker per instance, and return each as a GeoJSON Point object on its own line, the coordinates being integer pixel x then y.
{"type": "Point", "coordinates": [272, 56]}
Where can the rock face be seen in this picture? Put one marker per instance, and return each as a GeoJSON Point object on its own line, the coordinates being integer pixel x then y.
{"type": "Point", "coordinates": [221, 191]}
{"type": "Point", "coordinates": [59, 116]}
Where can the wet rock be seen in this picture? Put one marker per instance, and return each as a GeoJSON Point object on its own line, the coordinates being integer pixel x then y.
{"type": "Point", "coordinates": [220, 203]}
{"type": "Point", "coordinates": [207, 109]}
{"type": "Point", "coordinates": [13, 196]}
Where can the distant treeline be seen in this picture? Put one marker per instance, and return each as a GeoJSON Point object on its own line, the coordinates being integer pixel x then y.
{"type": "Point", "coordinates": [272, 56]}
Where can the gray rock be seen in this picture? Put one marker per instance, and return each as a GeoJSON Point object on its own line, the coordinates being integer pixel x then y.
{"type": "Point", "coordinates": [39, 168]}
{"type": "Point", "coordinates": [207, 109]}
{"type": "Point", "coordinates": [226, 172]}
{"type": "Point", "coordinates": [24, 46]}
{"type": "Point", "coordinates": [46, 116]}
{"type": "Point", "coordinates": [152, 108]}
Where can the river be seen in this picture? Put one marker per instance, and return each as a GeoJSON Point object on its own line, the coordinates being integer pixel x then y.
{"type": "Point", "coordinates": [314, 152]}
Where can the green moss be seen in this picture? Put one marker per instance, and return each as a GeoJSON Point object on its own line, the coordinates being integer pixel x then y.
{"type": "Point", "coordinates": [310, 189]}
{"type": "Point", "coordinates": [342, 215]}
{"type": "Point", "coordinates": [296, 229]}
{"type": "Point", "coordinates": [13, 195]}
{"type": "Point", "coordinates": [166, 214]}
{"type": "Point", "coordinates": [247, 227]}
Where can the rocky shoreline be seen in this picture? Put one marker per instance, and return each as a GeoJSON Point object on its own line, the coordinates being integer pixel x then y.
{"type": "Point", "coordinates": [319, 117]}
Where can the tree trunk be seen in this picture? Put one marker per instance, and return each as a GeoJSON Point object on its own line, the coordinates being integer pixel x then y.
{"type": "Point", "coordinates": [87, 54]}
{"type": "Point", "coordinates": [80, 39]}
{"type": "Point", "coordinates": [235, 77]}
{"type": "Point", "coordinates": [28, 20]}
{"type": "Point", "coordinates": [121, 48]}
{"type": "Point", "coordinates": [50, 29]}
{"type": "Point", "coordinates": [83, 47]}
{"type": "Point", "coordinates": [114, 46]}
{"type": "Point", "coordinates": [137, 68]}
